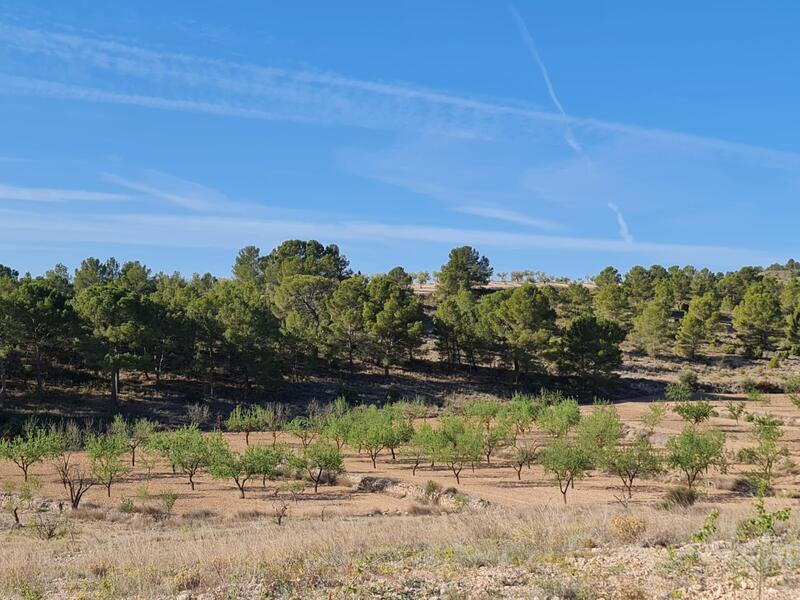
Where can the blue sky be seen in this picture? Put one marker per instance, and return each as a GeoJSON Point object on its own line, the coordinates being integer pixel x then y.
{"type": "Point", "coordinates": [552, 136]}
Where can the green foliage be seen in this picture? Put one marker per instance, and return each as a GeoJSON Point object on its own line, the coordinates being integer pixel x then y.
{"type": "Point", "coordinates": [709, 528]}
{"type": "Point", "coordinates": [465, 269]}
{"type": "Point", "coordinates": [693, 452]}
{"type": "Point", "coordinates": [306, 429]}
{"type": "Point", "coordinates": [769, 452]}
{"type": "Point", "coordinates": [639, 460]}
{"type": "Point", "coordinates": [736, 410]}
{"type": "Point", "coordinates": [557, 419]}
{"type": "Point", "coordinates": [189, 450]}
{"type": "Point", "coordinates": [678, 392]}
{"type": "Point", "coordinates": [263, 461]}
{"type": "Point", "coordinates": [763, 523]}
{"type": "Point", "coordinates": [321, 458]}
{"type": "Point", "coordinates": [525, 323]}
{"type": "Point", "coordinates": [792, 384]}
{"type": "Point", "coordinates": [566, 462]}
{"type": "Point", "coordinates": [758, 319]}
{"type": "Point", "coordinates": [34, 446]}
{"type": "Point", "coordinates": [250, 419]}
{"type": "Point", "coordinates": [590, 348]}
{"type": "Point", "coordinates": [106, 454]}
{"type": "Point", "coordinates": [393, 317]}
{"type": "Point", "coordinates": [689, 379]}
{"type": "Point", "coordinates": [653, 416]}
{"type": "Point", "coordinates": [459, 441]}
{"type": "Point", "coordinates": [526, 454]}
{"type": "Point", "coordinates": [698, 326]}
{"type": "Point", "coordinates": [652, 328]}
{"type": "Point", "coordinates": [599, 433]}
{"type": "Point", "coordinates": [695, 412]}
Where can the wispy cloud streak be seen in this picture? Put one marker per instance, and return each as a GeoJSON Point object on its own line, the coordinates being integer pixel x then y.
{"type": "Point", "coordinates": [527, 39]}
{"type": "Point", "coordinates": [510, 216]}
{"type": "Point", "coordinates": [47, 195]}
{"type": "Point", "coordinates": [227, 88]}
{"type": "Point", "coordinates": [624, 231]}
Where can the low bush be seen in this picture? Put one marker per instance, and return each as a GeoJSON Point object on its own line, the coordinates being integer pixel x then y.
{"type": "Point", "coordinates": [679, 497]}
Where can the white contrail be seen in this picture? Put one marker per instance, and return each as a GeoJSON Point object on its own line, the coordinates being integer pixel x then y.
{"type": "Point", "coordinates": [624, 231]}
{"type": "Point", "coordinates": [527, 38]}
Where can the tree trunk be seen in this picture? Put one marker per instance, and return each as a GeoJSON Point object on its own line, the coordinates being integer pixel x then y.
{"type": "Point", "coordinates": [39, 376]}
{"type": "Point", "coordinates": [114, 383]}
{"type": "Point", "coordinates": [2, 378]}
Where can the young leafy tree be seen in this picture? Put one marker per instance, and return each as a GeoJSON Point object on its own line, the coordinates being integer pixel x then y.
{"type": "Point", "coordinates": [189, 450]}
{"type": "Point", "coordinates": [106, 454]}
{"type": "Point", "coordinates": [519, 414]}
{"type": "Point", "coordinates": [695, 412]}
{"type": "Point", "coordinates": [525, 454]}
{"type": "Point", "coordinates": [557, 419]}
{"type": "Point", "coordinates": [736, 410]}
{"type": "Point", "coordinates": [566, 462]}
{"type": "Point", "coordinates": [639, 460]}
{"type": "Point", "coordinates": [369, 432]}
{"type": "Point", "coordinates": [653, 416]}
{"type": "Point", "coordinates": [242, 467]}
{"type": "Point", "coordinates": [461, 443]}
{"type": "Point", "coordinates": [32, 447]}
{"type": "Point", "coordinates": [136, 434]}
{"type": "Point", "coordinates": [599, 433]}
{"type": "Point", "coordinates": [305, 429]}
{"type": "Point", "coordinates": [423, 444]}
{"type": "Point", "coordinates": [248, 420]}
{"type": "Point", "coordinates": [319, 458]}
{"type": "Point", "coordinates": [693, 452]}
{"type": "Point", "coordinates": [769, 452]}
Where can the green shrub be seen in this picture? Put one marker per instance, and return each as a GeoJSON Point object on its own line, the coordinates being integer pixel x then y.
{"type": "Point", "coordinates": [695, 412]}
{"type": "Point", "coordinates": [749, 385]}
{"type": "Point", "coordinates": [792, 384]}
{"type": "Point", "coordinates": [678, 392]}
{"type": "Point", "coordinates": [689, 379]}
{"type": "Point", "coordinates": [126, 505]}
{"type": "Point", "coordinates": [774, 363]}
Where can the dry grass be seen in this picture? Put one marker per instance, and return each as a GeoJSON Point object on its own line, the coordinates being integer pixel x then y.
{"type": "Point", "coordinates": [151, 560]}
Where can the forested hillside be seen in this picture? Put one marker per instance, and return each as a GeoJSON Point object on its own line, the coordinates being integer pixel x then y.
{"type": "Point", "coordinates": [301, 311]}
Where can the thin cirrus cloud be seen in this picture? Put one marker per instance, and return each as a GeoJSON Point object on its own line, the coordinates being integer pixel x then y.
{"type": "Point", "coordinates": [175, 190]}
{"type": "Point", "coordinates": [510, 216]}
{"type": "Point", "coordinates": [235, 89]}
{"type": "Point", "coordinates": [49, 195]}
{"type": "Point", "coordinates": [194, 84]}
{"type": "Point", "coordinates": [206, 231]}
